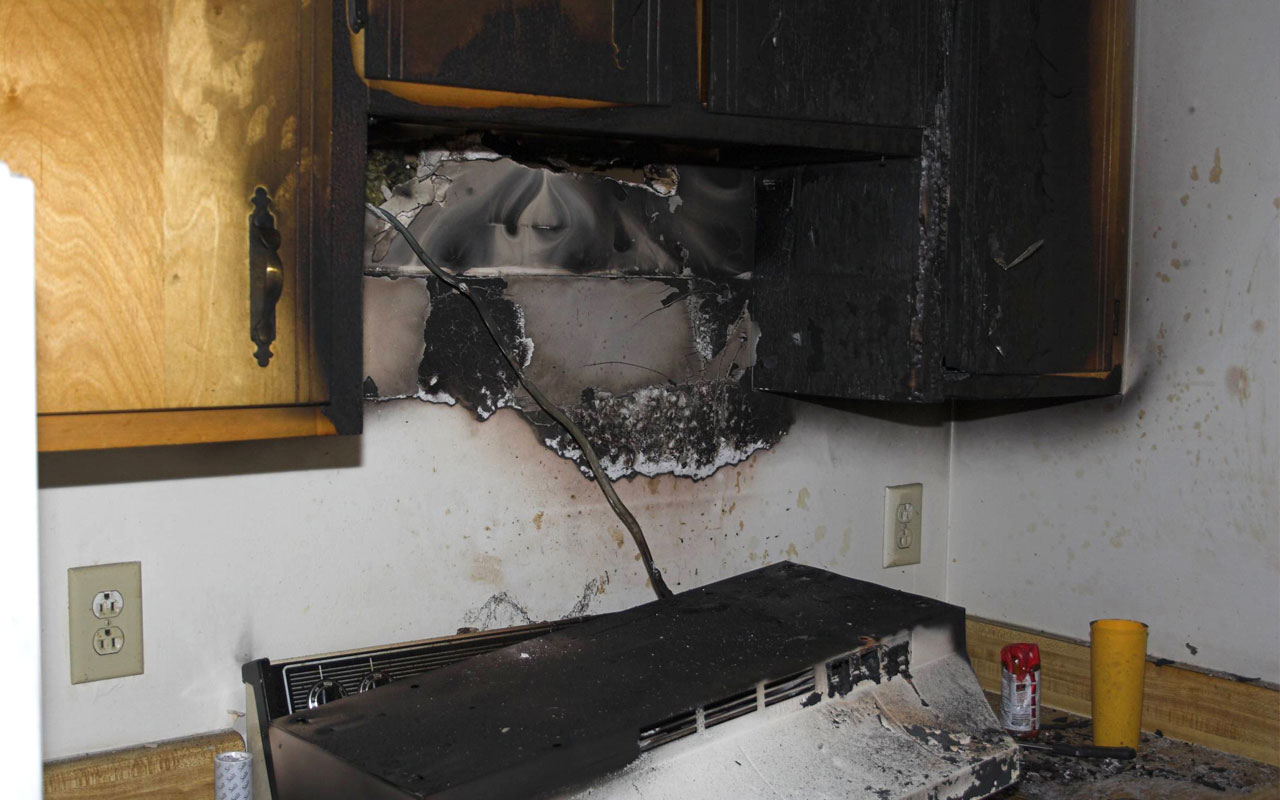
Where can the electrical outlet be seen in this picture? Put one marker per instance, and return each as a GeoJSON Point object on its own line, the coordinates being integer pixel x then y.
{"type": "Point", "coordinates": [108, 604]}
{"type": "Point", "coordinates": [107, 641]}
{"type": "Point", "coordinates": [104, 605]}
{"type": "Point", "coordinates": [902, 511]}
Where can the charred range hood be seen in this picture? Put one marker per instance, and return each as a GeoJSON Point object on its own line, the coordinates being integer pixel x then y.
{"type": "Point", "coordinates": [788, 681]}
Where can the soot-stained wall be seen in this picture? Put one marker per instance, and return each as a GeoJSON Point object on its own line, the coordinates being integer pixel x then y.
{"type": "Point", "coordinates": [1163, 505]}
{"type": "Point", "coordinates": [624, 294]}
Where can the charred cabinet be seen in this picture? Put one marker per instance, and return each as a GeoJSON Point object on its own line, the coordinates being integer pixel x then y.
{"type": "Point", "coordinates": [604, 51]}
{"type": "Point", "coordinates": [861, 61]}
{"type": "Point", "coordinates": [941, 186]}
{"type": "Point", "coordinates": [1039, 176]}
{"type": "Point", "coordinates": [837, 303]}
{"type": "Point", "coordinates": [990, 266]}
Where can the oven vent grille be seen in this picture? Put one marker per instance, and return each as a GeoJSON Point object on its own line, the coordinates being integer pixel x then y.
{"type": "Point", "coordinates": [726, 708]}
{"type": "Point", "coordinates": [786, 688]}
{"type": "Point", "coordinates": [732, 707]}
{"type": "Point", "coordinates": [348, 671]}
{"type": "Point", "coordinates": [677, 727]}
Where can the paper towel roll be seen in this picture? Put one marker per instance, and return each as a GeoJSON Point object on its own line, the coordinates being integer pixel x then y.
{"type": "Point", "coordinates": [233, 776]}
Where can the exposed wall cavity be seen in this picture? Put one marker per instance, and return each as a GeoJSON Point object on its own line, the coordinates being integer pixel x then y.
{"type": "Point", "coordinates": [624, 293]}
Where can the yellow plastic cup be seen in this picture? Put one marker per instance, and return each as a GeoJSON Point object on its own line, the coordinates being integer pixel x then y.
{"type": "Point", "coordinates": [1119, 657]}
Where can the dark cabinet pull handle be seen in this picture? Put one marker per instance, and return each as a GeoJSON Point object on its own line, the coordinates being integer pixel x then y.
{"type": "Point", "coordinates": [266, 275]}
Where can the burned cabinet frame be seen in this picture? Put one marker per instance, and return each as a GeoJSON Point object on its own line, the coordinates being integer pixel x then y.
{"type": "Point", "coordinates": [1020, 292]}
{"type": "Point", "coordinates": [337, 275]}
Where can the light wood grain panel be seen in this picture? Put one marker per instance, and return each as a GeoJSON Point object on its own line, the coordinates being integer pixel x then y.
{"type": "Point", "coordinates": [81, 90]}
{"type": "Point", "coordinates": [146, 428]}
{"type": "Point", "coordinates": [147, 126]}
{"type": "Point", "coordinates": [181, 769]}
{"type": "Point", "coordinates": [235, 90]}
{"type": "Point", "coordinates": [1227, 715]}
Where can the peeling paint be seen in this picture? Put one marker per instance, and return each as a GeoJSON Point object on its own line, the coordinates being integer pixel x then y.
{"type": "Point", "coordinates": [501, 215]}
{"type": "Point", "coordinates": [652, 361]}
{"type": "Point", "coordinates": [499, 611]}
{"type": "Point", "coordinates": [592, 588]}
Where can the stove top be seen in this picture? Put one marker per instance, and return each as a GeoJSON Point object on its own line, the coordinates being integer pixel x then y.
{"type": "Point", "coordinates": [800, 673]}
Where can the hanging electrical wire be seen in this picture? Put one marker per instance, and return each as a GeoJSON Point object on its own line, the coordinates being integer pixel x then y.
{"type": "Point", "coordinates": [553, 410]}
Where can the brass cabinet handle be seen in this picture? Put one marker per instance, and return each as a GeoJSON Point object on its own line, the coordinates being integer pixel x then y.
{"type": "Point", "coordinates": [266, 275]}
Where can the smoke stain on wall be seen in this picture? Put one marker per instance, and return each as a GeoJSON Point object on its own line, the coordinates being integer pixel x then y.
{"type": "Point", "coordinates": [1215, 172]}
{"type": "Point", "coordinates": [487, 568]}
{"type": "Point", "coordinates": [1237, 380]}
{"type": "Point", "coordinates": [802, 499]}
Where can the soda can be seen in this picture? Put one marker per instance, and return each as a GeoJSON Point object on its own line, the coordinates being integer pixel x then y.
{"type": "Point", "coordinates": [1020, 690]}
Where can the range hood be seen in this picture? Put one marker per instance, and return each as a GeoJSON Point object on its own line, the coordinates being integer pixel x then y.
{"type": "Point", "coordinates": [788, 681]}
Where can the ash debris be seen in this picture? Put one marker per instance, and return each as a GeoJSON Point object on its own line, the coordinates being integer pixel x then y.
{"type": "Point", "coordinates": [689, 429]}
{"type": "Point", "coordinates": [1164, 768]}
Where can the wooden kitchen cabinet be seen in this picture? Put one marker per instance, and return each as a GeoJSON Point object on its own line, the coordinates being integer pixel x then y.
{"type": "Point", "coordinates": [148, 129]}
{"type": "Point", "coordinates": [991, 267]}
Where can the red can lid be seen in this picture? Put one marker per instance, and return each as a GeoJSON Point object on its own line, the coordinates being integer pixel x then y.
{"type": "Point", "coordinates": [1020, 658]}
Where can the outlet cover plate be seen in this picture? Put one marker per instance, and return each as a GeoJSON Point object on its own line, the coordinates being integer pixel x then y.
{"type": "Point", "coordinates": [84, 584]}
{"type": "Point", "coordinates": [902, 511]}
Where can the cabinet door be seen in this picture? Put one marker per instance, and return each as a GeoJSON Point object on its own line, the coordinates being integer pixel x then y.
{"type": "Point", "coordinates": [147, 127]}
{"type": "Point", "coordinates": [1040, 153]}
{"type": "Point", "coordinates": [859, 61]}
{"type": "Point", "coordinates": [840, 287]}
{"type": "Point", "coordinates": [604, 50]}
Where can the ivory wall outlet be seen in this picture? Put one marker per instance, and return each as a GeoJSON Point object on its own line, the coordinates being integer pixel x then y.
{"type": "Point", "coordinates": [902, 524]}
{"type": "Point", "coordinates": [104, 605]}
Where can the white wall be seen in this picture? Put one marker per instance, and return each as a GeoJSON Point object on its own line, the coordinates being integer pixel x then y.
{"type": "Point", "coordinates": [1163, 506]}
{"type": "Point", "coordinates": [405, 534]}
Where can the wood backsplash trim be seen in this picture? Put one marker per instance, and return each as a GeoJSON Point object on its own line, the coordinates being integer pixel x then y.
{"type": "Point", "coordinates": [180, 769]}
{"type": "Point", "coordinates": [1233, 716]}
